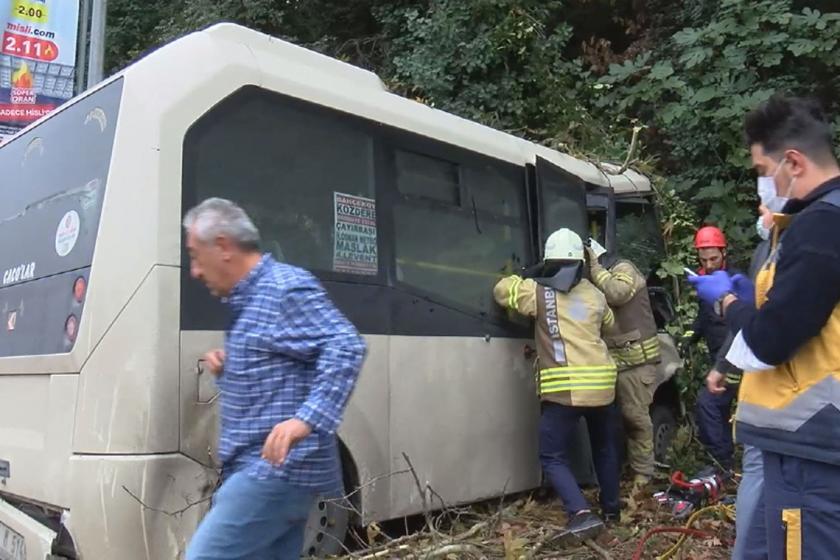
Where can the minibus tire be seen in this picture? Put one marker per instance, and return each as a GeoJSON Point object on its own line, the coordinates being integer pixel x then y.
{"type": "Point", "coordinates": [664, 428]}
{"type": "Point", "coordinates": [327, 528]}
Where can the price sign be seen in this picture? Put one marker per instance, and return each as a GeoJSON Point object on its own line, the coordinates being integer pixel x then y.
{"type": "Point", "coordinates": [35, 12]}
{"type": "Point", "coordinates": [29, 47]}
{"type": "Point", "coordinates": [38, 48]}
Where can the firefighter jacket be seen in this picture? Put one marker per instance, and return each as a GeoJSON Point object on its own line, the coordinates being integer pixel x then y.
{"type": "Point", "coordinates": [575, 367]}
{"type": "Point", "coordinates": [626, 291]}
{"type": "Point", "coordinates": [792, 409]}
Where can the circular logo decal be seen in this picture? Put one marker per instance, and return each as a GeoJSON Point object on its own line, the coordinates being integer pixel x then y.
{"type": "Point", "coordinates": [67, 233]}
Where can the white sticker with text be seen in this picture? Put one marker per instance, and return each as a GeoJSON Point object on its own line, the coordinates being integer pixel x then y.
{"type": "Point", "coordinates": [67, 233]}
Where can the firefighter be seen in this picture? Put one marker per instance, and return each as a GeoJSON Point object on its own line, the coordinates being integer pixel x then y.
{"type": "Point", "coordinates": [576, 373]}
{"type": "Point", "coordinates": [714, 409]}
{"type": "Point", "coordinates": [635, 350]}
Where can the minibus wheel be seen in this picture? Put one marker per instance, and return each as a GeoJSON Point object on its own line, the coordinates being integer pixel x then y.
{"type": "Point", "coordinates": [331, 518]}
{"type": "Point", "coordinates": [326, 530]}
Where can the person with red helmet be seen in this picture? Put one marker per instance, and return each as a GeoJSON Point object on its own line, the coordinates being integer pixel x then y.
{"type": "Point", "coordinates": [710, 243]}
{"type": "Point", "coordinates": [713, 410]}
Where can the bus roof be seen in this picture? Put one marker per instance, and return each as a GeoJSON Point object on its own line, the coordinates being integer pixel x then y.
{"type": "Point", "coordinates": [317, 78]}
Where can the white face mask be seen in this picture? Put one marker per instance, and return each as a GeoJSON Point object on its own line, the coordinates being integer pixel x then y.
{"type": "Point", "coordinates": [768, 194]}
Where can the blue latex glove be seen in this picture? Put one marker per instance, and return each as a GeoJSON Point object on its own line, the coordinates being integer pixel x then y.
{"type": "Point", "coordinates": [711, 287]}
{"type": "Point", "coordinates": [744, 288]}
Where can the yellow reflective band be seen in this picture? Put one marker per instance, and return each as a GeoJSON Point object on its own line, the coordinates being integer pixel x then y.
{"type": "Point", "coordinates": [609, 317]}
{"type": "Point", "coordinates": [623, 277]}
{"type": "Point", "coordinates": [586, 378]}
{"type": "Point", "coordinates": [733, 379]}
{"type": "Point", "coordinates": [578, 369]}
{"type": "Point", "coordinates": [632, 360]}
{"type": "Point", "coordinates": [578, 378]}
{"type": "Point", "coordinates": [636, 351]}
{"type": "Point", "coordinates": [514, 293]}
{"type": "Point", "coordinates": [688, 334]}
{"type": "Point", "coordinates": [792, 518]}
{"type": "Point", "coordinates": [649, 344]}
{"type": "Point", "coordinates": [602, 276]}
{"type": "Point", "coordinates": [552, 389]}
{"type": "Point", "coordinates": [637, 359]}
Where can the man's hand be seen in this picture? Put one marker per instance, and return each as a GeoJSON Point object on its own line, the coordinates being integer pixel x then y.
{"type": "Point", "coordinates": [716, 382]}
{"type": "Point", "coordinates": [215, 361]}
{"type": "Point", "coordinates": [593, 260]}
{"type": "Point", "coordinates": [282, 438]}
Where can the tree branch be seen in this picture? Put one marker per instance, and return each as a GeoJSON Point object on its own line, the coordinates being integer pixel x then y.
{"type": "Point", "coordinates": [169, 513]}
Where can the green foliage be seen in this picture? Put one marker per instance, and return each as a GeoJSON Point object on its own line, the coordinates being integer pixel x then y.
{"type": "Point", "coordinates": [499, 62]}
{"type": "Point", "coordinates": [577, 75]}
{"type": "Point", "coordinates": [693, 92]}
{"type": "Point", "coordinates": [341, 28]}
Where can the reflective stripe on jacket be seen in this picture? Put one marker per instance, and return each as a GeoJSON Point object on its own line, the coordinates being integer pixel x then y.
{"type": "Point", "coordinates": [792, 408]}
{"type": "Point", "coordinates": [575, 367]}
{"type": "Point", "coordinates": [626, 291]}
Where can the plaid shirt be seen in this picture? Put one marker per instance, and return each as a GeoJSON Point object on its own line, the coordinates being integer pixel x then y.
{"type": "Point", "coordinates": [289, 353]}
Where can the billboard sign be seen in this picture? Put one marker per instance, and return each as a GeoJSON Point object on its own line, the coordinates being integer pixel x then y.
{"type": "Point", "coordinates": [37, 59]}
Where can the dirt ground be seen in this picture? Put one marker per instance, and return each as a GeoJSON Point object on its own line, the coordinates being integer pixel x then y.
{"type": "Point", "coordinates": [528, 527]}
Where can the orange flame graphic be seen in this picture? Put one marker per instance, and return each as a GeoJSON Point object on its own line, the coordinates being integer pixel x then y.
{"type": "Point", "coordinates": [22, 78]}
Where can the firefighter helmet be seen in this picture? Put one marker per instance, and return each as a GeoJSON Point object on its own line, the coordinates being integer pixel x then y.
{"type": "Point", "coordinates": [564, 245]}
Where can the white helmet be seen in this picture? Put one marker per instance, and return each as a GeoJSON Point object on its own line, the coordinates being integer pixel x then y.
{"type": "Point", "coordinates": [564, 245]}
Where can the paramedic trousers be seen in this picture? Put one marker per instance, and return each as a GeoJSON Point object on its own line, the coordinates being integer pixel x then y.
{"type": "Point", "coordinates": [253, 519]}
{"type": "Point", "coordinates": [802, 508]}
{"type": "Point", "coordinates": [634, 390]}
{"type": "Point", "coordinates": [558, 426]}
{"type": "Point", "coordinates": [713, 423]}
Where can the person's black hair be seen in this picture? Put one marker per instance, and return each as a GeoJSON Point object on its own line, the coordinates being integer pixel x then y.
{"type": "Point", "coordinates": [784, 123]}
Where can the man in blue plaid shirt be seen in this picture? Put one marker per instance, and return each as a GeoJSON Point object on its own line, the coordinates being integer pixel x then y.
{"type": "Point", "coordinates": [289, 365]}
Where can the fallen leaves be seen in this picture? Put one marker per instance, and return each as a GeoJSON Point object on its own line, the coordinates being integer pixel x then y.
{"type": "Point", "coordinates": [528, 529]}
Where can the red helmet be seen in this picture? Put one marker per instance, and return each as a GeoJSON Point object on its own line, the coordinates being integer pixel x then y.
{"type": "Point", "coordinates": [709, 236]}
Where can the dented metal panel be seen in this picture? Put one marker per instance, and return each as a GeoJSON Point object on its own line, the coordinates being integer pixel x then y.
{"type": "Point", "coordinates": [364, 432]}
{"type": "Point", "coordinates": [36, 427]}
{"type": "Point", "coordinates": [128, 390]}
{"type": "Point", "coordinates": [137, 507]}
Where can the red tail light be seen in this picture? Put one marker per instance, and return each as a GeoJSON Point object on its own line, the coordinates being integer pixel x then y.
{"type": "Point", "coordinates": [79, 289]}
{"type": "Point", "coordinates": [71, 327]}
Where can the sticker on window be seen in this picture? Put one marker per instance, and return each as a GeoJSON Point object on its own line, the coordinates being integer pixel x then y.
{"type": "Point", "coordinates": [67, 233]}
{"type": "Point", "coordinates": [355, 235]}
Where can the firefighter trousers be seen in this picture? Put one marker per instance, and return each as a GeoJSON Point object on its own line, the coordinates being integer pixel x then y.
{"type": "Point", "coordinates": [635, 390]}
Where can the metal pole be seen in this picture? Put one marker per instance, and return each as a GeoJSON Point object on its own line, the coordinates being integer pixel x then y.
{"type": "Point", "coordinates": [96, 60]}
{"type": "Point", "coordinates": [82, 49]}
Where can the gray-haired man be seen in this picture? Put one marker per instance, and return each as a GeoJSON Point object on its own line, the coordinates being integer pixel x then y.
{"type": "Point", "coordinates": [289, 364]}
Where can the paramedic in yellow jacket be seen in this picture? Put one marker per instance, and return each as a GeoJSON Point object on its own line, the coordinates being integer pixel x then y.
{"type": "Point", "coordinates": [787, 332]}
{"type": "Point", "coordinates": [635, 350]}
{"type": "Point", "coordinates": [576, 374]}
